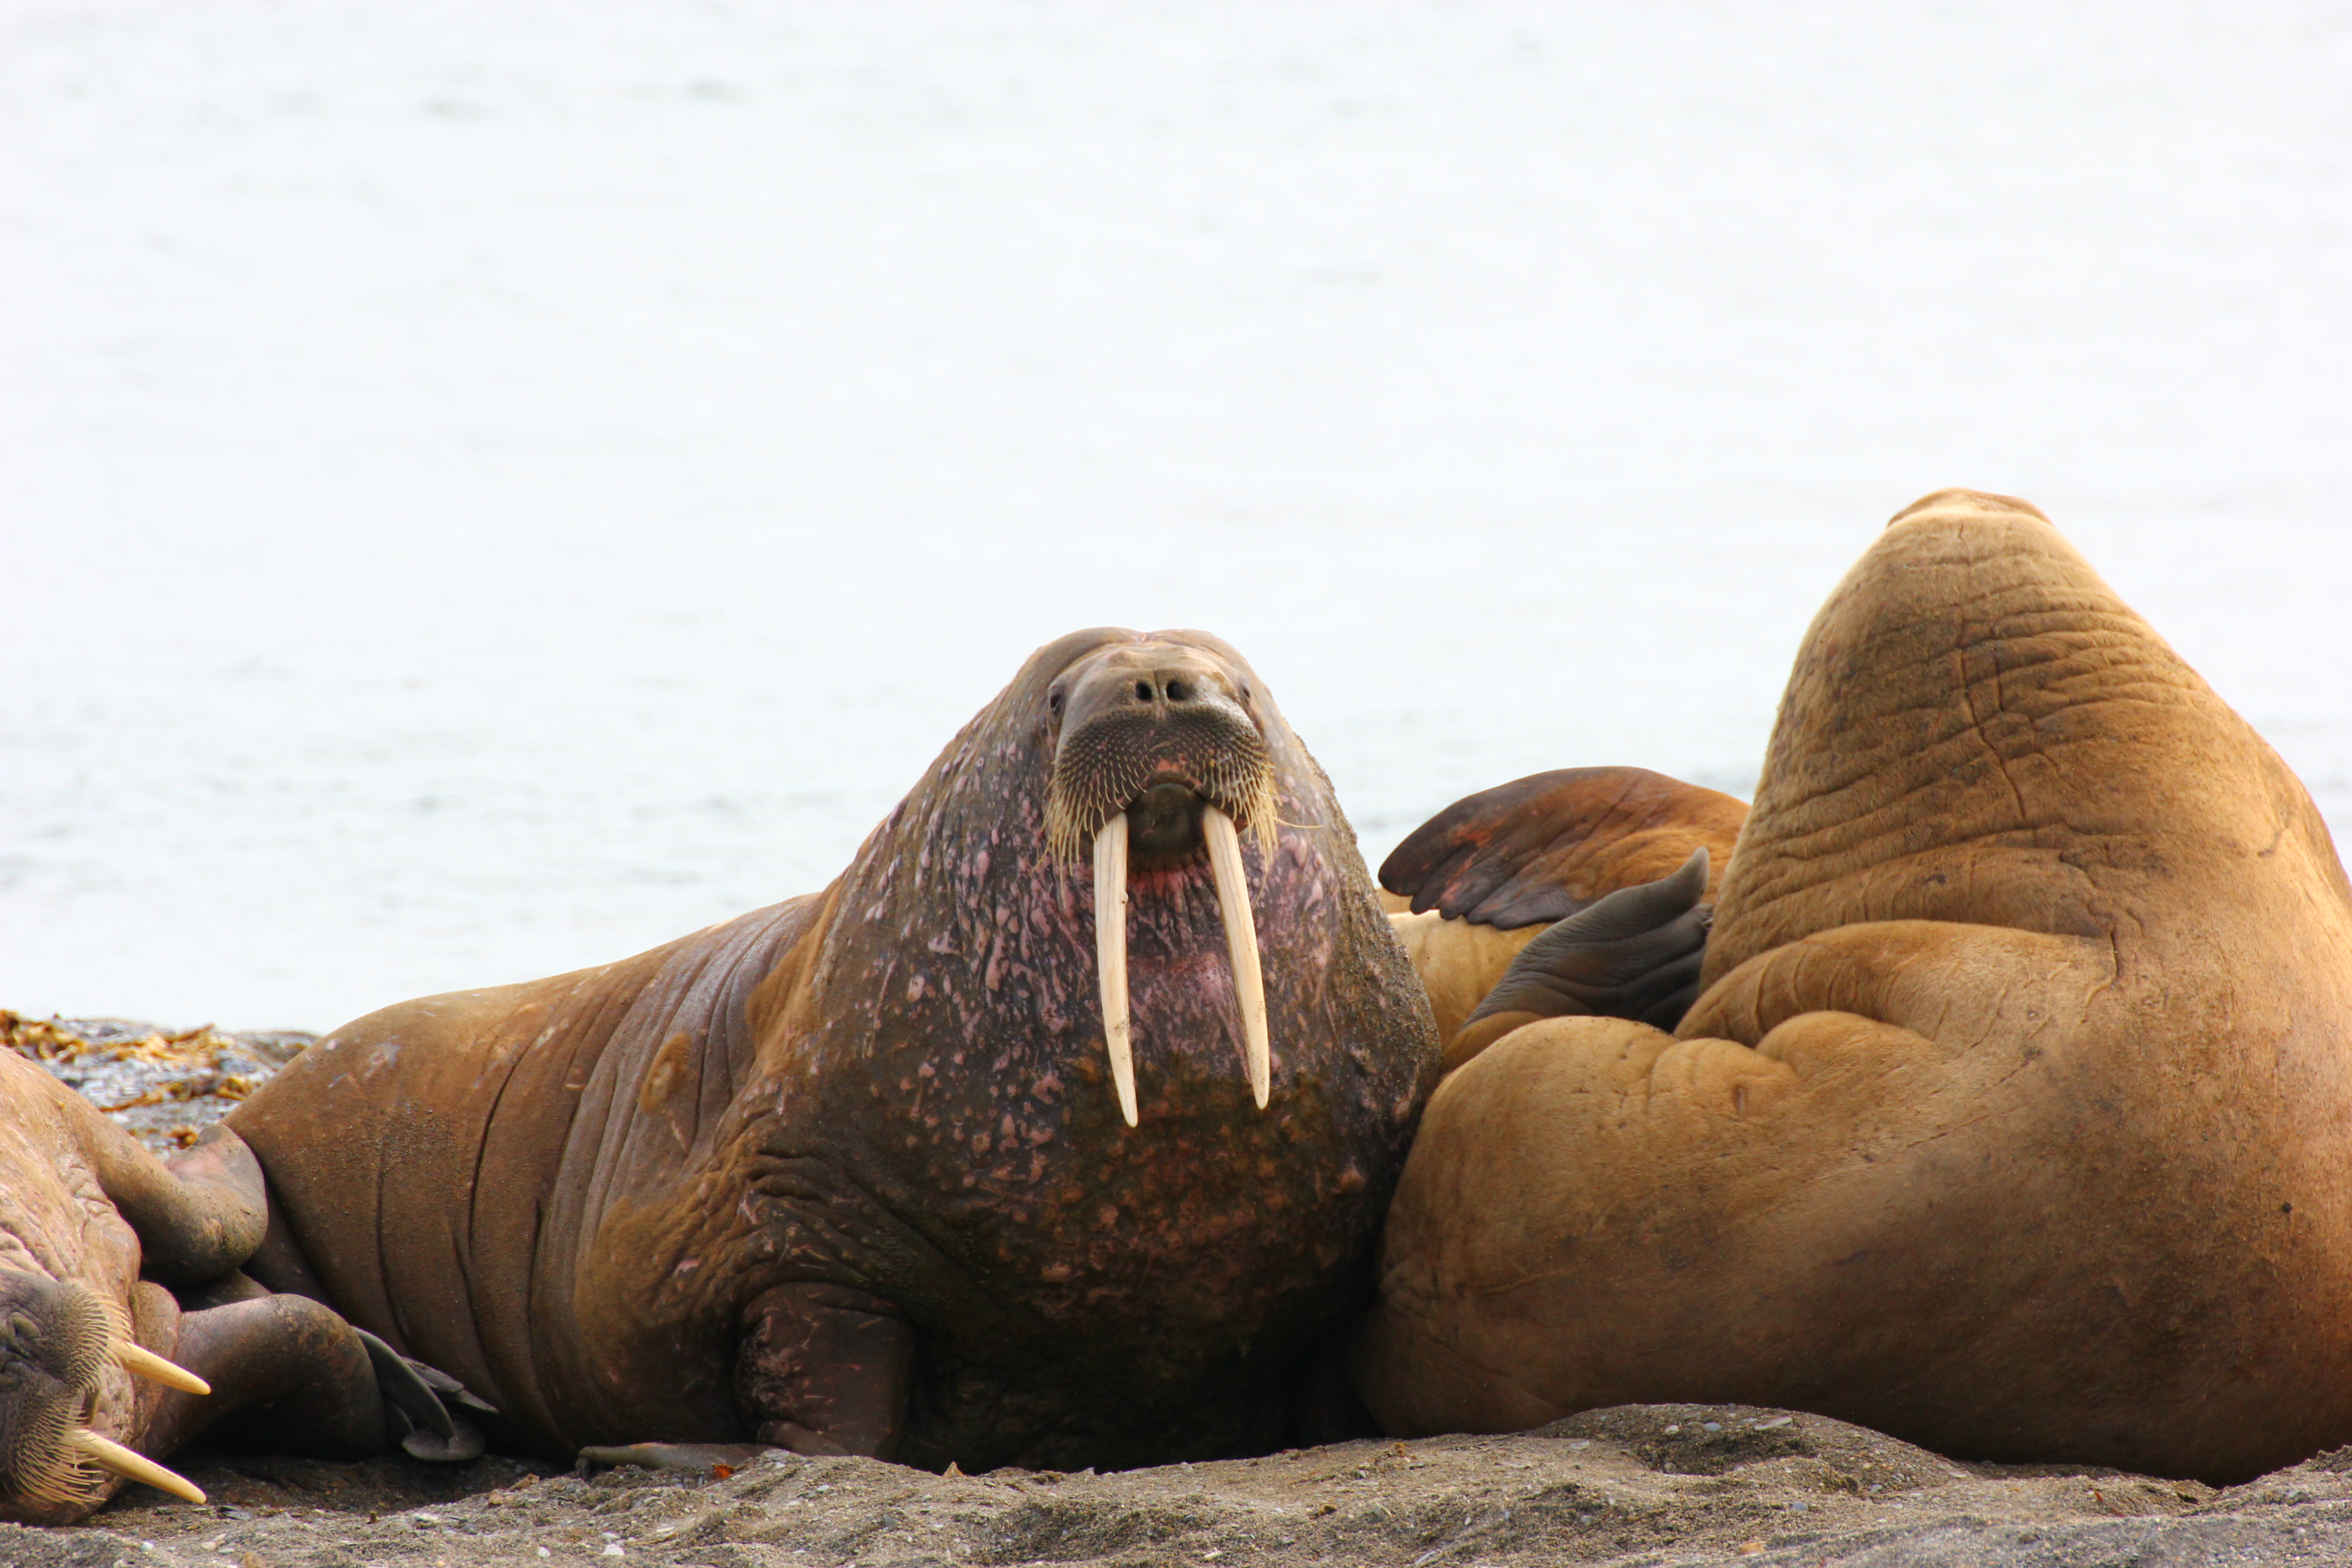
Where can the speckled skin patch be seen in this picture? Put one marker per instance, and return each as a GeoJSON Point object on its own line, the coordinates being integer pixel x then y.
{"type": "Point", "coordinates": [574, 1193]}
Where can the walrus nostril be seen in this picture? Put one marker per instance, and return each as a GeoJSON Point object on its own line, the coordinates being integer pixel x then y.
{"type": "Point", "coordinates": [1143, 691]}
{"type": "Point", "coordinates": [1179, 691]}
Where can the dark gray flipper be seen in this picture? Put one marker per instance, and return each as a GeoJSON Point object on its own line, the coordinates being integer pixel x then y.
{"type": "Point", "coordinates": [1634, 954]}
{"type": "Point", "coordinates": [418, 1400]}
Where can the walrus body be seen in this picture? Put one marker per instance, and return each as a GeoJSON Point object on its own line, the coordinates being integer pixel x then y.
{"type": "Point", "coordinates": [850, 1174]}
{"type": "Point", "coordinates": [2014, 1118]}
{"type": "Point", "coordinates": [92, 1228]}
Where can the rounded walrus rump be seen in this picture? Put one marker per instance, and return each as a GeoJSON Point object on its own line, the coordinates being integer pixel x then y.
{"type": "Point", "coordinates": [939, 1165]}
{"type": "Point", "coordinates": [2012, 1118]}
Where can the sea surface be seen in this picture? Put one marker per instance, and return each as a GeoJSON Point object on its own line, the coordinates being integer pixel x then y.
{"type": "Point", "coordinates": [487, 487]}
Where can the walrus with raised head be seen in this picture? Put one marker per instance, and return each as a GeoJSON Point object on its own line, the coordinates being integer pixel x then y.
{"type": "Point", "coordinates": [2013, 1119]}
{"type": "Point", "coordinates": [1055, 1132]}
{"type": "Point", "coordinates": [101, 1370]}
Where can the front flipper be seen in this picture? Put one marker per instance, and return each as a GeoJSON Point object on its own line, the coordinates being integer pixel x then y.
{"type": "Point", "coordinates": [824, 1369]}
{"type": "Point", "coordinates": [1634, 955]}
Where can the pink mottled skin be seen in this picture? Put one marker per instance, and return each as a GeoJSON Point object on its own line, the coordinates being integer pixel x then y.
{"type": "Point", "coordinates": [849, 1175]}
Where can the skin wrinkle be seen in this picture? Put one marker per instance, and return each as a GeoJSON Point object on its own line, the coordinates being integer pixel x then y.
{"type": "Point", "coordinates": [2062, 639]}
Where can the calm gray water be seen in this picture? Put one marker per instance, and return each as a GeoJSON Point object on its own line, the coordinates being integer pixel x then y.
{"type": "Point", "coordinates": [487, 487]}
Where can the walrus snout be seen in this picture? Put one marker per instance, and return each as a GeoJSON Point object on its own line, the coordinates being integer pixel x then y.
{"type": "Point", "coordinates": [1156, 752]}
{"type": "Point", "coordinates": [1153, 718]}
{"type": "Point", "coordinates": [56, 1337]}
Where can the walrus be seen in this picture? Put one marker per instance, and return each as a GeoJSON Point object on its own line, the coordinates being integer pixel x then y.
{"type": "Point", "coordinates": [2012, 1118]}
{"type": "Point", "coordinates": [1055, 1132]}
{"type": "Point", "coordinates": [101, 1371]}
{"type": "Point", "coordinates": [1468, 889]}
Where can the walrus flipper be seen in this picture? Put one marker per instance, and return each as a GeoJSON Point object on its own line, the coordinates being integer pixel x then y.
{"type": "Point", "coordinates": [286, 1374]}
{"type": "Point", "coordinates": [826, 1370]}
{"type": "Point", "coordinates": [417, 1400]}
{"type": "Point", "coordinates": [198, 1215]}
{"type": "Point", "coordinates": [1542, 847]}
{"type": "Point", "coordinates": [712, 1458]}
{"type": "Point", "coordinates": [282, 1369]}
{"type": "Point", "coordinates": [1636, 954]}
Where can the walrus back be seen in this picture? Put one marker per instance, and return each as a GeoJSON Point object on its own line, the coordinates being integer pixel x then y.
{"type": "Point", "coordinates": [419, 1154]}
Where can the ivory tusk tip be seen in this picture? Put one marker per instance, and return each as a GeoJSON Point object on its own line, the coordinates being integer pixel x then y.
{"type": "Point", "coordinates": [107, 1453]}
{"type": "Point", "coordinates": [1110, 959]}
{"type": "Point", "coordinates": [141, 1361]}
{"type": "Point", "coordinates": [1241, 947]}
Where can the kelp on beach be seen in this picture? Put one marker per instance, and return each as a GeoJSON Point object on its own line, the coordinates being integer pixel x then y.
{"type": "Point", "coordinates": [166, 1086]}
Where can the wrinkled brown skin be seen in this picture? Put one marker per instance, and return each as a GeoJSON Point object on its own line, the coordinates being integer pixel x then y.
{"type": "Point", "coordinates": [83, 1205]}
{"type": "Point", "coordinates": [849, 1175]}
{"type": "Point", "coordinates": [1478, 881]}
{"type": "Point", "coordinates": [2014, 1118]}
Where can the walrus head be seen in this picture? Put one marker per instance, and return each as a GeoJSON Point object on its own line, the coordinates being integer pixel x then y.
{"type": "Point", "coordinates": [55, 1339]}
{"type": "Point", "coordinates": [1157, 762]}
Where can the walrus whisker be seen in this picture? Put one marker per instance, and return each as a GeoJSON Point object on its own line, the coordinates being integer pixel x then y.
{"type": "Point", "coordinates": [1110, 956]}
{"type": "Point", "coordinates": [107, 1453]}
{"type": "Point", "coordinates": [141, 1361]}
{"type": "Point", "coordinates": [1241, 944]}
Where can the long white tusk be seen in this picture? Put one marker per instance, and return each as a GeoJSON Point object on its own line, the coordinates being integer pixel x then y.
{"type": "Point", "coordinates": [113, 1456]}
{"type": "Point", "coordinates": [1110, 956]}
{"type": "Point", "coordinates": [139, 1360]}
{"type": "Point", "coordinates": [1241, 943]}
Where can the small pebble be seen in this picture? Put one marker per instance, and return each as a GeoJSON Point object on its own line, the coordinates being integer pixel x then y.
{"type": "Point", "coordinates": [1711, 1426]}
{"type": "Point", "coordinates": [1673, 1431]}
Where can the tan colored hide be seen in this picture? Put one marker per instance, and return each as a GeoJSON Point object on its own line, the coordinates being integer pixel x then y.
{"type": "Point", "coordinates": [2012, 1119]}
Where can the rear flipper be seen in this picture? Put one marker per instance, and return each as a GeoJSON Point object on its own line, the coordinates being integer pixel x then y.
{"type": "Point", "coordinates": [287, 1373]}
{"type": "Point", "coordinates": [1634, 955]}
{"type": "Point", "coordinates": [709, 1458]}
{"type": "Point", "coordinates": [425, 1406]}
